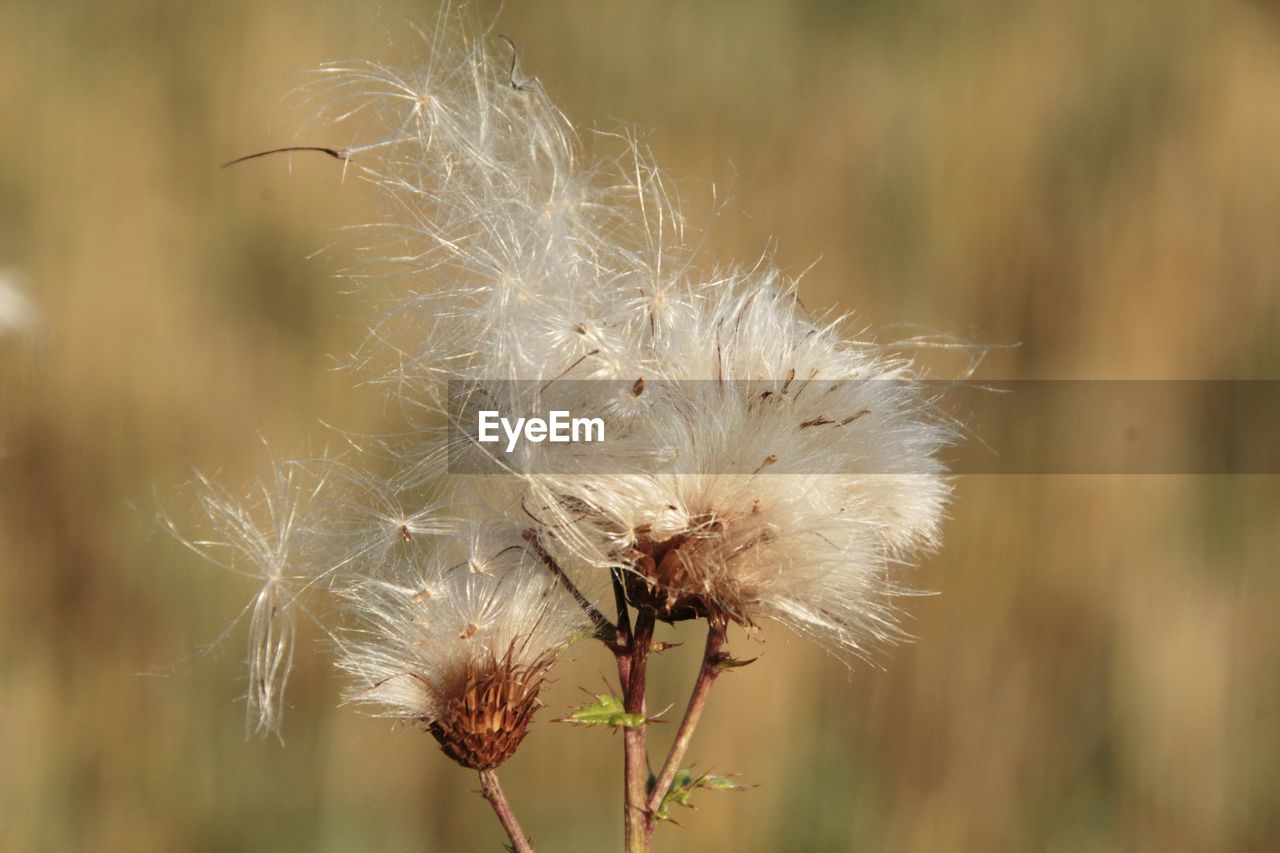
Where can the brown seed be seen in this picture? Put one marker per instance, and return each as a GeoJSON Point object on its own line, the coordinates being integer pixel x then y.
{"type": "Point", "coordinates": [768, 460]}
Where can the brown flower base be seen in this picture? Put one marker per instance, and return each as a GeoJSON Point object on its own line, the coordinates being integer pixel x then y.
{"type": "Point", "coordinates": [661, 580]}
{"type": "Point", "coordinates": [494, 702]}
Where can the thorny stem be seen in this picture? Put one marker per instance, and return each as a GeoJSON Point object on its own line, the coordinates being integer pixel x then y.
{"type": "Point", "coordinates": [605, 629]}
{"type": "Point", "coordinates": [631, 672]}
{"type": "Point", "coordinates": [712, 660]}
{"type": "Point", "coordinates": [631, 647]}
{"type": "Point", "coordinates": [492, 792]}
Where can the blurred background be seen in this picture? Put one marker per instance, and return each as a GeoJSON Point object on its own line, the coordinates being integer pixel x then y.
{"type": "Point", "coordinates": [1096, 181]}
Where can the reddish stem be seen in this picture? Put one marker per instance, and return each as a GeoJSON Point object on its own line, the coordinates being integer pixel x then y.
{"type": "Point", "coordinates": [492, 792]}
{"type": "Point", "coordinates": [632, 668]}
{"type": "Point", "coordinates": [712, 660]}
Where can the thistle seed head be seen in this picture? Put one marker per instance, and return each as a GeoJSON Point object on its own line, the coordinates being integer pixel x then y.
{"type": "Point", "coordinates": [489, 706]}
{"type": "Point", "coordinates": [664, 576]}
{"type": "Point", "coordinates": [462, 651]}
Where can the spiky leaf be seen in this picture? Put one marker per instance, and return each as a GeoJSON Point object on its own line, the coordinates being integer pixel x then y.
{"type": "Point", "coordinates": [685, 783]}
{"type": "Point", "coordinates": [606, 710]}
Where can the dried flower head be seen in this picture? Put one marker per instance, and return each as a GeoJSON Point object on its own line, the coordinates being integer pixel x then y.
{"type": "Point", "coordinates": [462, 646]}
{"type": "Point", "coordinates": [801, 469]}
{"type": "Point", "coordinates": [758, 464]}
{"type": "Point", "coordinates": [765, 471]}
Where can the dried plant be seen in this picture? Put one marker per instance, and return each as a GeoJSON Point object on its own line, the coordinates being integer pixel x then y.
{"type": "Point", "coordinates": [760, 466]}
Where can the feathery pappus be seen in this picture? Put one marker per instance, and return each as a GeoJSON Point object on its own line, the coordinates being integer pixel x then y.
{"type": "Point", "coordinates": [463, 644]}
{"type": "Point", "coordinates": [761, 465]}
{"type": "Point", "coordinates": [799, 468]}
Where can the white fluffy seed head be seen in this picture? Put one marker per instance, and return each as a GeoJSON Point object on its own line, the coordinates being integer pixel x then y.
{"type": "Point", "coordinates": [758, 465]}
{"type": "Point", "coordinates": [482, 598]}
{"type": "Point", "coordinates": [800, 471]}
{"type": "Point", "coordinates": [524, 252]}
{"type": "Point", "coordinates": [528, 262]}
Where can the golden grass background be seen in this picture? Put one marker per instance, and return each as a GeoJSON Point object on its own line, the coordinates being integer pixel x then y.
{"type": "Point", "coordinates": [1098, 181]}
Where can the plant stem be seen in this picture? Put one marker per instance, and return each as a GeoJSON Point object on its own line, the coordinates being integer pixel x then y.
{"type": "Point", "coordinates": [605, 630]}
{"type": "Point", "coordinates": [492, 792]}
{"type": "Point", "coordinates": [631, 671]}
{"type": "Point", "coordinates": [717, 628]}
{"type": "Point", "coordinates": [620, 604]}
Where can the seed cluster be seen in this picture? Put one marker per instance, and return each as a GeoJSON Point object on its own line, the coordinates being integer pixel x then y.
{"type": "Point", "coordinates": [489, 711]}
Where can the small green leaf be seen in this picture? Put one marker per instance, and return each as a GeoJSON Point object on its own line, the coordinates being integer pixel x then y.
{"type": "Point", "coordinates": [722, 783]}
{"type": "Point", "coordinates": [726, 662]}
{"type": "Point", "coordinates": [606, 710]}
{"type": "Point", "coordinates": [685, 783]}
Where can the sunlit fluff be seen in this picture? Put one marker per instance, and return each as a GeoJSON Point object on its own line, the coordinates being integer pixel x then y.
{"type": "Point", "coordinates": [798, 471]}
{"type": "Point", "coordinates": [518, 254]}
{"type": "Point", "coordinates": [262, 537]}
{"type": "Point", "coordinates": [793, 499]}
{"type": "Point", "coordinates": [758, 465]}
{"type": "Point", "coordinates": [461, 644]}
